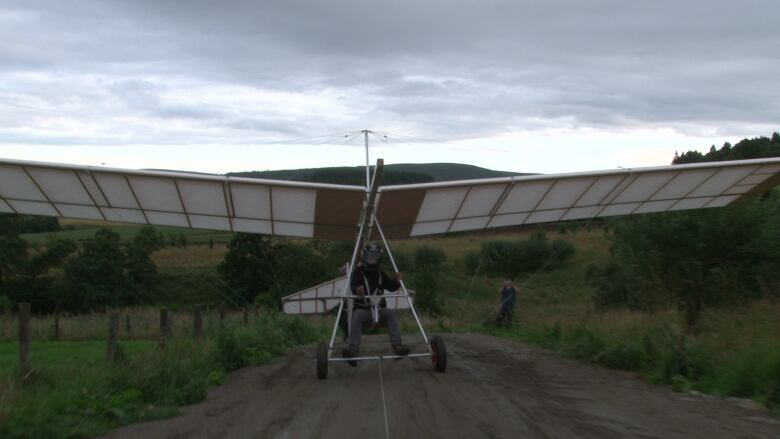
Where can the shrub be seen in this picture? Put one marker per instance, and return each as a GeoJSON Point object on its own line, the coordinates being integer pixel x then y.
{"type": "Point", "coordinates": [404, 260]}
{"type": "Point", "coordinates": [501, 257]}
{"type": "Point", "coordinates": [693, 259]}
{"type": "Point", "coordinates": [428, 264]}
{"type": "Point", "coordinates": [471, 261]}
{"type": "Point", "coordinates": [616, 286]}
{"type": "Point", "coordinates": [269, 336]}
{"type": "Point", "coordinates": [623, 356]}
{"type": "Point", "coordinates": [25, 271]}
{"type": "Point", "coordinates": [261, 270]}
{"type": "Point", "coordinates": [15, 224]}
{"type": "Point", "coordinates": [562, 250]}
{"type": "Point", "coordinates": [175, 375]}
{"type": "Point", "coordinates": [754, 371]}
{"type": "Point", "coordinates": [109, 273]}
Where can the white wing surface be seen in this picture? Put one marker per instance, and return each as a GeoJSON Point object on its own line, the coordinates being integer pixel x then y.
{"type": "Point", "coordinates": [435, 208]}
{"type": "Point", "coordinates": [327, 296]}
{"type": "Point", "coordinates": [181, 199]}
{"type": "Point", "coordinates": [333, 211]}
{"type": "Point", "coordinates": [316, 300]}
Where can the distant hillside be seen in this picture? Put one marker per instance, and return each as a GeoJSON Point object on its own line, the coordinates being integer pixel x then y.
{"type": "Point", "coordinates": [403, 173]}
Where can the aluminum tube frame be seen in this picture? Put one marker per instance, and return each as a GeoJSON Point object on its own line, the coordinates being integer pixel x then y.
{"type": "Point", "coordinates": [368, 214]}
{"type": "Point", "coordinates": [380, 357]}
{"type": "Point", "coordinates": [403, 285]}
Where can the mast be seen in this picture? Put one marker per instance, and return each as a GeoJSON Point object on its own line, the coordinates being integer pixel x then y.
{"type": "Point", "coordinates": [368, 165]}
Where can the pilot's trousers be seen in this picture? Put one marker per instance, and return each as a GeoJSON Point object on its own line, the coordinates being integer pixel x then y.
{"type": "Point", "coordinates": [362, 317]}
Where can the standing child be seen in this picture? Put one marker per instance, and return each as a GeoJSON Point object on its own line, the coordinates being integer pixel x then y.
{"type": "Point", "coordinates": [508, 299]}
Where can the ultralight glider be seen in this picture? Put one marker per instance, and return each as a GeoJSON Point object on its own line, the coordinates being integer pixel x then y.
{"type": "Point", "coordinates": [373, 212]}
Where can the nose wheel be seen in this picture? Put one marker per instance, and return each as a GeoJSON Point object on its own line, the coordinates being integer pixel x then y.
{"type": "Point", "coordinates": [322, 360]}
{"type": "Point", "coordinates": [438, 354]}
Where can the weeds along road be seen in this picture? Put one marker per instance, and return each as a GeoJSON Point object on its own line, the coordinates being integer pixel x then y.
{"type": "Point", "coordinates": [493, 388]}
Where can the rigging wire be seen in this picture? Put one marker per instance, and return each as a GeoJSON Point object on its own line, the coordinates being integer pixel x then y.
{"type": "Point", "coordinates": [314, 140]}
{"type": "Point", "coordinates": [384, 403]}
{"type": "Point", "coordinates": [523, 285]}
{"type": "Point", "coordinates": [274, 329]}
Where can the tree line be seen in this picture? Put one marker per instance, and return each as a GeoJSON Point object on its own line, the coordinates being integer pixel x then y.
{"type": "Point", "coordinates": [100, 272]}
{"type": "Point", "coordinates": [756, 148]}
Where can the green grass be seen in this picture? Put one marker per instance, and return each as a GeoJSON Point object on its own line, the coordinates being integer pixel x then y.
{"type": "Point", "coordinates": [62, 357]}
{"type": "Point", "coordinates": [663, 355]}
{"type": "Point", "coordinates": [82, 230]}
{"type": "Point", "coordinates": [74, 392]}
{"type": "Point", "coordinates": [65, 396]}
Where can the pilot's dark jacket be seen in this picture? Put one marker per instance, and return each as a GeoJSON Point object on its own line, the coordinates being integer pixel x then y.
{"type": "Point", "coordinates": [370, 280]}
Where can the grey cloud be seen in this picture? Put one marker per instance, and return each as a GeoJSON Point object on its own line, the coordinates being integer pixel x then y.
{"type": "Point", "coordinates": [454, 68]}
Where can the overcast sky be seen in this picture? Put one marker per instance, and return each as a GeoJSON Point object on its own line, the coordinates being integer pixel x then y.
{"type": "Point", "coordinates": [535, 86]}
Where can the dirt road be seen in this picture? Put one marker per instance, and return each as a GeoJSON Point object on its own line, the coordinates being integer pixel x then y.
{"type": "Point", "coordinates": [493, 388]}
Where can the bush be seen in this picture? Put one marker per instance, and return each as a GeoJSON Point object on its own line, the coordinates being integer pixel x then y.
{"type": "Point", "coordinates": [500, 257]}
{"type": "Point", "coordinates": [260, 270]}
{"type": "Point", "coordinates": [268, 337]}
{"type": "Point", "coordinates": [471, 261]}
{"type": "Point", "coordinates": [754, 371]}
{"type": "Point", "coordinates": [428, 265]}
{"type": "Point", "coordinates": [107, 272]}
{"type": "Point", "coordinates": [623, 356]}
{"type": "Point", "coordinates": [693, 259]}
{"type": "Point", "coordinates": [16, 224]}
{"type": "Point", "coordinates": [25, 272]}
{"type": "Point", "coordinates": [671, 353]}
{"type": "Point", "coordinates": [176, 375]}
{"type": "Point", "coordinates": [616, 285]}
{"type": "Point", "coordinates": [404, 260]}
{"type": "Point", "coordinates": [562, 250]}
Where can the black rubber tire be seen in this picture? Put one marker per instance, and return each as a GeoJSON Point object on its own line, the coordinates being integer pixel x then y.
{"type": "Point", "coordinates": [439, 357]}
{"type": "Point", "coordinates": [322, 360]}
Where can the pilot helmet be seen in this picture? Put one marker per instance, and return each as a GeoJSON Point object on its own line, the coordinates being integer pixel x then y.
{"type": "Point", "coordinates": [372, 256]}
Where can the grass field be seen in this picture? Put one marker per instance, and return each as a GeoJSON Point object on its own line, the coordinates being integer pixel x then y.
{"type": "Point", "coordinates": [83, 229]}
{"type": "Point", "coordinates": [74, 392]}
{"type": "Point", "coordinates": [62, 395]}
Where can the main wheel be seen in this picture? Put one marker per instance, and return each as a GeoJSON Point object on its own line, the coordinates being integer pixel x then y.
{"type": "Point", "coordinates": [322, 360]}
{"type": "Point", "coordinates": [439, 351]}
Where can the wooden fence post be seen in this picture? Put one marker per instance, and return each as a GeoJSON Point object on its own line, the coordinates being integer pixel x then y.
{"type": "Point", "coordinates": [165, 326]}
{"type": "Point", "coordinates": [56, 326]}
{"type": "Point", "coordinates": [128, 328]}
{"type": "Point", "coordinates": [246, 316]}
{"type": "Point", "coordinates": [24, 339]}
{"type": "Point", "coordinates": [197, 322]}
{"type": "Point", "coordinates": [113, 330]}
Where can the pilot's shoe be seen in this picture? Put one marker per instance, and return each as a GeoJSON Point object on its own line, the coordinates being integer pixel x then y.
{"type": "Point", "coordinates": [351, 352]}
{"type": "Point", "coordinates": [400, 349]}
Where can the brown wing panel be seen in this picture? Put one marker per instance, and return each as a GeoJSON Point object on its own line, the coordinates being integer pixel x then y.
{"type": "Point", "coordinates": [337, 213]}
{"type": "Point", "coordinates": [398, 211]}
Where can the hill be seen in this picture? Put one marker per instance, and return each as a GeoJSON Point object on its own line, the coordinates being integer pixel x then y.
{"type": "Point", "coordinates": [402, 173]}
